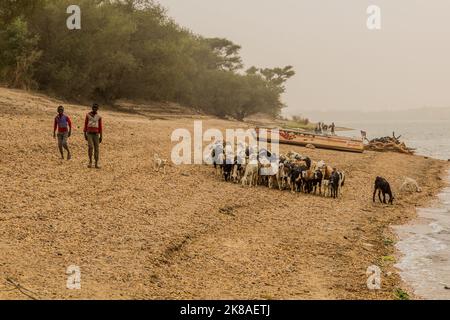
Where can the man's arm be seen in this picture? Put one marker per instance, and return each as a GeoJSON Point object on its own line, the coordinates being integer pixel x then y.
{"type": "Point", "coordinates": [100, 129]}
{"type": "Point", "coordinates": [69, 122]}
{"type": "Point", "coordinates": [55, 125]}
{"type": "Point", "coordinates": [85, 127]}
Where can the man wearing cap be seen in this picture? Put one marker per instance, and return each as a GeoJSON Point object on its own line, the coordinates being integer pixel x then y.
{"type": "Point", "coordinates": [93, 133]}
{"type": "Point", "coordinates": [63, 124]}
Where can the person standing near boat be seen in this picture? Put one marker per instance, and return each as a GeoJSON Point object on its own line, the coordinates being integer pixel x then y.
{"type": "Point", "coordinates": [63, 124]}
{"type": "Point", "coordinates": [333, 127]}
{"type": "Point", "coordinates": [93, 133]}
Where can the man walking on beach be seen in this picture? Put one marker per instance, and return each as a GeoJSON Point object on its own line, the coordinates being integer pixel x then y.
{"type": "Point", "coordinates": [64, 126]}
{"type": "Point", "coordinates": [93, 133]}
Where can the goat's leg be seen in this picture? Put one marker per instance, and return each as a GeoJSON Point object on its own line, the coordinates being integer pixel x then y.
{"type": "Point", "coordinates": [374, 194]}
{"type": "Point", "coordinates": [379, 196]}
{"type": "Point", "coordinates": [279, 182]}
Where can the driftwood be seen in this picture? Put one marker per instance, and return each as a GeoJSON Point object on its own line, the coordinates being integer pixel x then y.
{"type": "Point", "coordinates": [392, 144]}
{"type": "Point", "coordinates": [16, 286]}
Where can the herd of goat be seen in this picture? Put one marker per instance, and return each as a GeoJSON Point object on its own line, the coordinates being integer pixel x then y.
{"type": "Point", "coordinates": [292, 171]}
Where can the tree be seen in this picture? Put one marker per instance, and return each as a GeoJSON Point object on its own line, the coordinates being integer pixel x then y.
{"type": "Point", "coordinates": [18, 53]}
{"type": "Point", "coordinates": [130, 49]}
{"type": "Point", "coordinates": [227, 52]}
{"type": "Point", "coordinates": [10, 10]}
{"type": "Point", "coordinates": [276, 77]}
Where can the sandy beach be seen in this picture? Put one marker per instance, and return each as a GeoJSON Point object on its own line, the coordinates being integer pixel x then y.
{"type": "Point", "coordinates": [139, 234]}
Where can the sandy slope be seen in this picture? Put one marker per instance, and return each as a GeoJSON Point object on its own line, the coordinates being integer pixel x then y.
{"type": "Point", "coordinates": [139, 234]}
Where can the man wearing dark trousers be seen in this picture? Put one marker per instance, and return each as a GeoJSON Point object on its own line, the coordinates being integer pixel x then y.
{"type": "Point", "coordinates": [93, 133]}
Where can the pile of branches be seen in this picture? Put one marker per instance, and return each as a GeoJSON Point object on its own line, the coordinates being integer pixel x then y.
{"type": "Point", "coordinates": [393, 144]}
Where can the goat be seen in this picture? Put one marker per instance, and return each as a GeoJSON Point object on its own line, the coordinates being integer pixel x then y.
{"type": "Point", "coordinates": [316, 181]}
{"type": "Point", "coordinates": [295, 178]}
{"type": "Point", "coordinates": [334, 184]}
{"type": "Point", "coordinates": [383, 186]}
{"type": "Point", "coordinates": [276, 175]}
{"type": "Point", "coordinates": [227, 169]}
{"type": "Point", "coordinates": [250, 174]}
{"type": "Point", "coordinates": [218, 158]}
{"type": "Point", "coordinates": [341, 181]}
{"type": "Point", "coordinates": [326, 173]}
{"type": "Point", "coordinates": [238, 172]}
{"type": "Point", "coordinates": [159, 163]}
{"type": "Point", "coordinates": [312, 179]}
{"type": "Point", "coordinates": [326, 187]}
{"type": "Point", "coordinates": [410, 185]}
{"type": "Point", "coordinates": [298, 181]}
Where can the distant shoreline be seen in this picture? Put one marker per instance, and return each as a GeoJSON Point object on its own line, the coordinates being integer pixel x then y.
{"type": "Point", "coordinates": [344, 129]}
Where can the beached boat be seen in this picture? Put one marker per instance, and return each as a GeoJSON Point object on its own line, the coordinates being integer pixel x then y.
{"type": "Point", "coordinates": [322, 141]}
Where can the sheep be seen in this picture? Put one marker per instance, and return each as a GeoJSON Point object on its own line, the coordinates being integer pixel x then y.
{"type": "Point", "coordinates": [382, 186]}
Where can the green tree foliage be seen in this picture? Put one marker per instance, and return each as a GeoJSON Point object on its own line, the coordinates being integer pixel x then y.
{"type": "Point", "coordinates": [18, 54]}
{"type": "Point", "coordinates": [130, 49]}
{"type": "Point", "coordinates": [226, 54]}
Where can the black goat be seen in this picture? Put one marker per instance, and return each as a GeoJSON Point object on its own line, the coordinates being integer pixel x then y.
{"type": "Point", "coordinates": [334, 182]}
{"type": "Point", "coordinates": [227, 170]}
{"type": "Point", "coordinates": [316, 182]}
{"type": "Point", "coordinates": [295, 176]}
{"type": "Point", "coordinates": [383, 186]}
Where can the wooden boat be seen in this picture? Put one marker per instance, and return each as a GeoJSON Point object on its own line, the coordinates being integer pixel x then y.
{"type": "Point", "coordinates": [320, 141]}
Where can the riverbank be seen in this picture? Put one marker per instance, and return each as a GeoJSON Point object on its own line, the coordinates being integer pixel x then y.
{"type": "Point", "coordinates": [423, 247]}
{"type": "Point", "coordinates": [135, 233]}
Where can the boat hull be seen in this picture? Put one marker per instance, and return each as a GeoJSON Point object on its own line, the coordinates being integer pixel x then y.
{"type": "Point", "coordinates": [298, 138]}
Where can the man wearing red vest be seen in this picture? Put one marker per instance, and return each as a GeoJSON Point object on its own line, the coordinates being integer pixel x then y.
{"type": "Point", "coordinates": [93, 133]}
{"type": "Point", "coordinates": [64, 126]}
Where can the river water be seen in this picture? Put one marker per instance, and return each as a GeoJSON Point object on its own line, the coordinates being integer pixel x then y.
{"type": "Point", "coordinates": [425, 243]}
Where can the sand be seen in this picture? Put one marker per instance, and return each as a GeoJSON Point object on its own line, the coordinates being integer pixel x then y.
{"type": "Point", "coordinates": [138, 234]}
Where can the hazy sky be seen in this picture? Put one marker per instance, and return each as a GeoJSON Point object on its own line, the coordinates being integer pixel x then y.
{"type": "Point", "coordinates": [340, 64]}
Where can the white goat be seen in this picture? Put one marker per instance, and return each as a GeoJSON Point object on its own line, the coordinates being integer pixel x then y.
{"type": "Point", "coordinates": [410, 185]}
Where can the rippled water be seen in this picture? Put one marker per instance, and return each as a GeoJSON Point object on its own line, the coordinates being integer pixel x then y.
{"type": "Point", "coordinates": [425, 244]}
